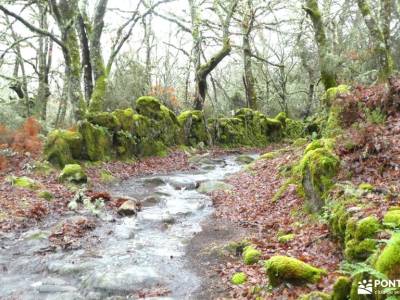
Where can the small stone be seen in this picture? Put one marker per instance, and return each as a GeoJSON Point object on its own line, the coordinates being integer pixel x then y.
{"type": "Point", "coordinates": [129, 208]}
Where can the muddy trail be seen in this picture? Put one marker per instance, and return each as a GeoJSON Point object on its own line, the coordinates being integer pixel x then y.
{"type": "Point", "coordinates": [135, 257]}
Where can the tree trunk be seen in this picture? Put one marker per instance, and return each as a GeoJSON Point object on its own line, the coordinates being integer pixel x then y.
{"type": "Point", "coordinates": [248, 78]}
{"type": "Point", "coordinates": [96, 58]}
{"type": "Point", "coordinates": [203, 71]}
{"type": "Point", "coordinates": [380, 38]}
{"type": "Point", "coordinates": [327, 67]}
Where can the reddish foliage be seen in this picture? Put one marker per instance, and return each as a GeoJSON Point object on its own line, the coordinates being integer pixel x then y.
{"type": "Point", "coordinates": [100, 195]}
{"type": "Point", "coordinates": [38, 211]}
{"type": "Point", "coordinates": [71, 231]}
{"type": "Point", "coordinates": [26, 138]}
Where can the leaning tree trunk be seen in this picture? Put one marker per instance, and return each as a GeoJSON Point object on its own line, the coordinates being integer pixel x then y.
{"type": "Point", "coordinates": [326, 62]}
{"type": "Point", "coordinates": [203, 71]}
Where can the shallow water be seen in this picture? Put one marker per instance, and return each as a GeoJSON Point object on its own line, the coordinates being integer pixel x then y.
{"type": "Point", "coordinates": [125, 255]}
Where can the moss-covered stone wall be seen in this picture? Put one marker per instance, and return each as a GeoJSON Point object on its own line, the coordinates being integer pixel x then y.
{"type": "Point", "coordinates": [151, 128]}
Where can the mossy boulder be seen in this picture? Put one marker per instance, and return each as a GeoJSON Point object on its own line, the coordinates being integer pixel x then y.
{"type": "Point", "coordinates": [294, 129]}
{"type": "Point", "coordinates": [326, 143]}
{"type": "Point", "coordinates": [125, 118]}
{"type": "Point", "coordinates": [274, 129]}
{"type": "Point", "coordinates": [388, 261]}
{"type": "Point", "coordinates": [288, 269]}
{"type": "Point", "coordinates": [97, 142]}
{"type": "Point", "coordinates": [316, 295]}
{"type": "Point", "coordinates": [341, 288]}
{"type": "Point", "coordinates": [213, 185]}
{"type": "Point", "coordinates": [194, 127]}
{"type": "Point", "coordinates": [359, 238]}
{"type": "Point", "coordinates": [63, 147]}
{"type": "Point", "coordinates": [23, 182]}
{"type": "Point", "coordinates": [251, 255]}
{"type": "Point", "coordinates": [230, 132]}
{"type": "Point", "coordinates": [125, 144]}
{"type": "Point", "coordinates": [318, 168]}
{"type": "Point", "coordinates": [392, 218]}
{"type": "Point", "coordinates": [105, 119]}
{"type": "Point", "coordinates": [281, 117]}
{"type": "Point", "coordinates": [332, 93]}
{"type": "Point", "coordinates": [286, 238]}
{"type": "Point", "coordinates": [73, 173]}
{"type": "Point", "coordinates": [163, 123]}
{"type": "Point", "coordinates": [238, 278]}
{"type": "Point", "coordinates": [365, 228]}
{"type": "Point", "coordinates": [359, 250]}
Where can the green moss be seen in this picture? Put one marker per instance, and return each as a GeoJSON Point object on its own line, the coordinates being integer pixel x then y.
{"type": "Point", "coordinates": [388, 261]}
{"type": "Point", "coordinates": [328, 144]}
{"type": "Point", "coordinates": [96, 102]}
{"type": "Point", "coordinates": [231, 132]}
{"type": "Point", "coordinates": [125, 144]}
{"type": "Point", "coordinates": [332, 93]}
{"type": "Point", "coordinates": [333, 126]}
{"type": "Point", "coordinates": [251, 255]}
{"type": "Point", "coordinates": [286, 238]}
{"type": "Point", "coordinates": [194, 127]}
{"type": "Point", "coordinates": [269, 155]}
{"type": "Point", "coordinates": [73, 173]}
{"type": "Point", "coordinates": [97, 142]}
{"type": "Point", "coordinates": [105, 119]}
{"type": "Point", "coordinates": [294, 129]}
{"type": "Point", "coordinates": [281, 117]}
{"type": "Point", "coordinates": [238, 278]}
{"type": "Point", "coordinates": [153, 148]}
{"type": "Point", "coordinates": [341, 288]}
{"type": "Point", "coordinates": [288, 269]}
{"type": "Point", "coordinates": [392, 218]}
{"type": "Point", "coordinates": [367, 228]}
{"type": "Point", "coordinates": [359, 250]}
{"type": "Point", "coordinates": [125, 118]}
{"type": "Point", "coordinates": [366, 187]}
{"type": "Point", "coordinates": [46, 195]}
{"type": "Point", "coordinates": [148, 106]}
{"type": "Point", "coordinates": [23, 182]}
{"type": "Point", "coordinates": [106, 177]}
{"type": "Point", "coordinates": [317, 168]}
{"type": "Point", "coordinates": [315, 296]}
{"type": "Point", "coordinates": [300, 142]}
{"type": "Point", "coordinates": [63, 147]}
{"type": "Point", "coordinates": [164, 125]}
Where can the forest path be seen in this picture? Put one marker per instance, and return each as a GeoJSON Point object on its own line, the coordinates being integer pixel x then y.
{"type": "Point", "coordinates": [141, 257]}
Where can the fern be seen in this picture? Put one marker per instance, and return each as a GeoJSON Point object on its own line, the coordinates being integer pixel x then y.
{"type": "Point", "coordinates": [354, 269]}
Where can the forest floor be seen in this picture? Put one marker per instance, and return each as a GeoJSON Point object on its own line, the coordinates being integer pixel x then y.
{"type": "Point", "coordinates": [249, 211]}
{"type": "Point", "coordinates": [252, 211]}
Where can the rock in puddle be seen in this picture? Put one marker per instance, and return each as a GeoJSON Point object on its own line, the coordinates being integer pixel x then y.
{"type": "Point", "coordinates": [53, 285]}
{"type": "Point", "coordinates": [213, 185]}
{"type": "Point", "coordinates": [183, 183]}
{"type": "Point", "coordinates": [153, 181]}
{"type": "Point", "coordinates": [244, 159]}
{"type": "Point", "coordinates": [124, 280]}
{"type": "Point", "coordinates": [151, 200]}
{"type": "Point", "coordinates": [129, 208]}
